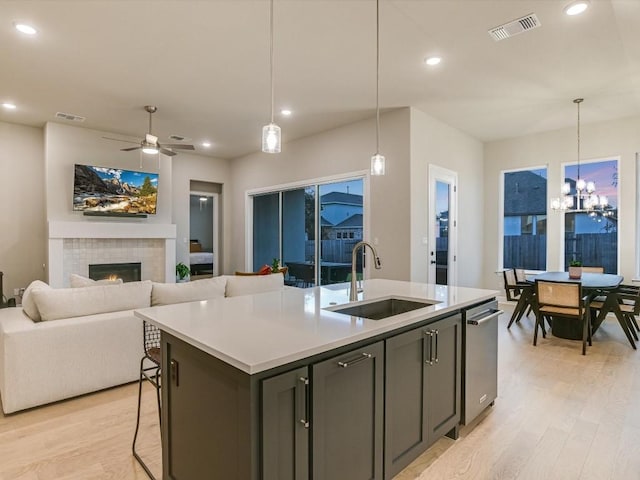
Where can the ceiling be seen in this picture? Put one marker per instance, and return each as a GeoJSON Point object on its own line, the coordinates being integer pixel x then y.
{"type": "Point", "coordinates": [205, 64]}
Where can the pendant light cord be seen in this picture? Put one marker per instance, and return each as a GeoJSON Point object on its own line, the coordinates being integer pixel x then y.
{"type": "Point", "coordinates": [577, 101]}
{"type": "Point", "coordinates": [271, 55]}
{"type": "Point", "coordinates": [377, 76]}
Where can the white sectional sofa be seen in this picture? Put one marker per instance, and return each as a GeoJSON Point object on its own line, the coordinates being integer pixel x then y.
{"type": "Point", "coordinates": [70, 341]}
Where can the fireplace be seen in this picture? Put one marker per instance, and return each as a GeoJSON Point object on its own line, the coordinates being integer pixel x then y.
{"type": "Point", "coordinates": [128, 272]}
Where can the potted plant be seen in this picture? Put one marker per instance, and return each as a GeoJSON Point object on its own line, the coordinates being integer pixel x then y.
{"type": "Point", "coordinates": [575, 269]}
{"type": "Point", "coordinates": [183, 272]}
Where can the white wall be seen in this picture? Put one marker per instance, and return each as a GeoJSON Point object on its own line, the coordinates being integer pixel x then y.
{"type": "Point", "coordinates": [433, 142]}
{"type": "Point", "coordinates": [22, 196]}
{"type": "Point", "coordinates": [186, 168]}
{"type": "Point", "coordinates": [600, 140]}
{"type": "Point", "coordinates": [334, 152]}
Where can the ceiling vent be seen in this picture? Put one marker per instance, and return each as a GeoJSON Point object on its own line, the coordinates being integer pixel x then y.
{"type": "Point", "coordinates": [515, 27]}
{"type": "Point", "coordinates": [178, 138]}
{"type": "Point", "coordinates": [70, 117]}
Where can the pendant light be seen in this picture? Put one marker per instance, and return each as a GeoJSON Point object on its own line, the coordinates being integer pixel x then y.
{"type": "Point", "coordinates": [377, 160]}
{"type": "Point", "coordinates": [271, 132]}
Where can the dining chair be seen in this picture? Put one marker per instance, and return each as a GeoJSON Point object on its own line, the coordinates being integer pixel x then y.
{"type": "Point", "coordinates": [518, 292]}
{"type": "Point", "coordinates": [521, 279]}
{"type": "Point", "coordinates": [624, 303]}
{"type": "Point", "coordinates": [150, 371]}
{"type": "Point", "coordinates": [562, 300]}
{"type": "Point", "coordinates": [592, 269]}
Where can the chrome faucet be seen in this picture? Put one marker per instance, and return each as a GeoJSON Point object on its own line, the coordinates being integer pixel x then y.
{"type": "Point", "coordinates": [353, 293]}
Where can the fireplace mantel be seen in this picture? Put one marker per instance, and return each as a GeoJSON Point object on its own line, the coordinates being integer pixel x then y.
{"type": "Point", "coordinates": [110, 230]}
{"type": "Point", "coordinates": [61, 232]}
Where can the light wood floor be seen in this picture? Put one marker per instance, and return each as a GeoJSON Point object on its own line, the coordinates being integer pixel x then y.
{"type": "Point", "coordinates": [559, 415]}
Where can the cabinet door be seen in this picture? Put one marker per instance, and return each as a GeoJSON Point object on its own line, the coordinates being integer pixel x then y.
{"type": "Point", "coordinates": [347, 413]}
{"type": "Point", "coordinates": [406, 430]}
{"type": "Point", "coordinates": [206, 416]}
{"type": "Point", "coordinates": [444, 377]}
{"type": "Point", "coordinates": [285, 426]}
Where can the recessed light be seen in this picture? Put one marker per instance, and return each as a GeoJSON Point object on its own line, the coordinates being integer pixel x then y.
{"type": "Point", "coordinates": [432, 60]}
{"type": "Point", "coordinates": [24, 28]}
{"type": "Point", "coordinates": [576, 8]}
{"type": "Point", "coordinates": [206, 144]}
{"type": "Point", "coordinates": [286, 112]}
{"type": "Point", "coordinates": [9, 106]}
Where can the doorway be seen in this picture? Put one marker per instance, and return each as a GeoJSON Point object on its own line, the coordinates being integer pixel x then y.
{"type": "Point", "coordinates": [442, 226]}
{"type": "Point", "coordinates": [204, 231]}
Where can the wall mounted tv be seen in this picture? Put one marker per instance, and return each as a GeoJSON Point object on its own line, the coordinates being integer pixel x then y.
{"type": "Point", "coordinates": [114, 191]}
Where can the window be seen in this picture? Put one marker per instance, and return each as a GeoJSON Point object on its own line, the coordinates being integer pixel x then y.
{"type": "Point", "coordinates": [591, 235]}
{"type": "Point", "coordinates": [285, 225]}
{"type": "Point", "coordinates": [525, 219]}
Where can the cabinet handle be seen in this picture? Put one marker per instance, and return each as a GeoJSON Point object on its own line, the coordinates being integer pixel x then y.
{"type": "Point", "coordinates": [305, 401]}
{"type": "Point", "coordinates": [436, 354]}
{"type": "Point", "coordinates": [358, 359]}
{"type": "Point", "coordinates": [175, 372]}
{"type": "Point", "coordinates": [429, 333]}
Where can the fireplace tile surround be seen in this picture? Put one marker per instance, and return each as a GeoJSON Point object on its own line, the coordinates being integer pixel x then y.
{"type": "Point", "coordinates": [75, 245]}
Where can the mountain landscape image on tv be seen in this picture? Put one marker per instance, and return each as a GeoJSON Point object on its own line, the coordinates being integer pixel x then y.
{"type": "Point", "coordinates": [114, 190]}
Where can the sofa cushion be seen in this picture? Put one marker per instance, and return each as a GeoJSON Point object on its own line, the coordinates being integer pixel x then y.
{"type": "Point", "coordinates": [28, 303]}
{"type": "Point", "coordinates": [205, 289]}
{"type": "Point", "coordinates": [247, 285]}
{"type": "Point", "coordinates": [77, 281]}
{"type": "Point", "coordinates": [56, 303]}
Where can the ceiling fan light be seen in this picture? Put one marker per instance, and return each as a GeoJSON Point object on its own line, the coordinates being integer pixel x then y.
{"type": "Point", "coordinates": [271, 138]}
{"type": "Point", "coordinates": [149, 149]}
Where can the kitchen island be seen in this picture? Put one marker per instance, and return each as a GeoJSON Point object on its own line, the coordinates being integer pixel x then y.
{"type": "Point", "coordinates": [277, 385]}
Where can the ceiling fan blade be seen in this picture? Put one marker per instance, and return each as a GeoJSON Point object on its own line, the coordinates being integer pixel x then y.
{"type": "Point", "coordinates": [167, 152]}
{"type": "Point", "coordinates": [129, 149]}
{"type": "Point", "coordinates": [119, 140]}
{"type": "Point", "coordinates": [178, 145]}
{"type": "Point", "coordinates": [152, 139]}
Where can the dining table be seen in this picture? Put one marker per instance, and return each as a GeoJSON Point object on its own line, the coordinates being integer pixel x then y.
{"type": "Point", "coordinates": [593, 285]}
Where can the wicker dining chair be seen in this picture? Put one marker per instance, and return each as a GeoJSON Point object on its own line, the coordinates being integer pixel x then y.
{"type": "Point", "coordinates": [562, 300]}
{"type": "Point", "coordinates": [592, 269]}
{"type": "Point", "coordinates": [149, 370]}
{"type": "Point", "coordinates": [518, 292]}
{"type": "Point", "coordinates": [626, 299]}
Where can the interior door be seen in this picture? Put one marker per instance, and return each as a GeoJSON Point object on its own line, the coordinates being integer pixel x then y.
{"type": "Point", "coordinates": [204, 226]}
{"type": "Point", "coordinates": [442, 226]}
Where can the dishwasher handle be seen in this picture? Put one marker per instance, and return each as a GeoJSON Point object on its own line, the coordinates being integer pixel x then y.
{"type": "Point", "coordinates": [480, 319]}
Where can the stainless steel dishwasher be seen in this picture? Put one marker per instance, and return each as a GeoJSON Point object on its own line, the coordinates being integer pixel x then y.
{"type": "Point", "coordinates": [480, 359]}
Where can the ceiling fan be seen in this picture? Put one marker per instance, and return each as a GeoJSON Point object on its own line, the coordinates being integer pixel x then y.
{"type": "Point", "coordinates": [150, 142]}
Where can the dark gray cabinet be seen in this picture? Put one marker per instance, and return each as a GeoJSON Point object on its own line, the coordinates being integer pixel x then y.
{"type": "Point", "coordinates": [348, 415]}
{"type": "Point", "coordinates": [206, 416]}
{"type": "Point", "coordinates": [285, 426]}
{"type": "Point", "coordinates": [361, 414]}
{"type": "Point", "coordinates": [422, 392]}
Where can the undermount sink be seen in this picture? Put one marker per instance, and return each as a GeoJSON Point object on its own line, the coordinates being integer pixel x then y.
{"type": "Point", "coordinates": [381, 309]}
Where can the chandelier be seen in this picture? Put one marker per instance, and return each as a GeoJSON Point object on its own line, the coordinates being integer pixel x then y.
{"type": "Point", "coordinates": [583, 198]}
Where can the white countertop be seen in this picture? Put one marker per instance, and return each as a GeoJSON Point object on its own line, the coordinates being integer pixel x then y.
{"type": "Point", "coordinates": [255, 333]}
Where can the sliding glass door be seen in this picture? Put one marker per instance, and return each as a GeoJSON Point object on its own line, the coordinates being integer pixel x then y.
{"type": "Point", "coordinates": [311, 229]}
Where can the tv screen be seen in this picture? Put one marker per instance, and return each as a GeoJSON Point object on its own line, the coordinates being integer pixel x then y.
{"type": "Point", "coordinates": [114, 190]}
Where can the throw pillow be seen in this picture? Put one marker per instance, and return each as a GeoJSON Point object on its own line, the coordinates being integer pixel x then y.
{"type": "Point", "coordinates": [28, 304]}
{"type": "Point", "coordinates": [205, 289]}
{"type": "Point", "coordinates": [77, 281]}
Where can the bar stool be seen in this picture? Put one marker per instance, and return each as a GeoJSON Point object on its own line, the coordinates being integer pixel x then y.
{"type": "Point", "coordinates": [151, 372]}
